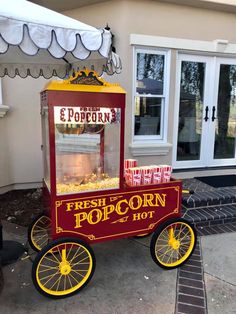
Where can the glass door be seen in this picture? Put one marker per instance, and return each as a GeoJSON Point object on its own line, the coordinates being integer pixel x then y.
{"type": "Point", "coordinates": [193, 106]}
{"type": "Point", "coordinates": [223, 114]}
{"type": "Point", "coordinates": [205, 128]}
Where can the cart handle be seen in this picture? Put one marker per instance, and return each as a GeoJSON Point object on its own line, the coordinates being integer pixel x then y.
{"type": "Point", "coordinates": [185, 191]}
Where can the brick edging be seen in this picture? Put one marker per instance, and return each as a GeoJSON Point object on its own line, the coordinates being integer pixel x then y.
{"type": "Point", "coordinates": [190, 285]}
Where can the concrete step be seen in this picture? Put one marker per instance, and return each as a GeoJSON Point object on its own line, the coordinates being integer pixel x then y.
{"type": "Point", "coordinates": [208, 206]}
{"type": "Point", "coordinates": [210, 197]}
{"type": "Point", "coordinates": [210, 215]}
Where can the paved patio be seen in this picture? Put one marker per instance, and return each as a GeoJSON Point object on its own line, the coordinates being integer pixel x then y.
{"type": "Point", "coordinates": [126, 280]}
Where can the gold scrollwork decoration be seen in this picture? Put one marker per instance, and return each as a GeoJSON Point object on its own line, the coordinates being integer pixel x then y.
{"type": "Point", "coordinates": [151, 226]}
{"type": "Point", "coordinates": [58, 203]}
{"type": "Point", "coordinates": [121, 220]}
{"type": "Point", "coordinates": [59, 230]}
{"type": "Point", "coordinates": [114, 198]}
{"type": "Point", "coordinates": [91, 237]}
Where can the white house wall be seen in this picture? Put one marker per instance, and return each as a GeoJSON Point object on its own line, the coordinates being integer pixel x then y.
{"type": "Point", "coordinates": [20, 129]}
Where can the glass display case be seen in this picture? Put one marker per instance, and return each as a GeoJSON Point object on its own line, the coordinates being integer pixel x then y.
{"type": "Point", "coordinates": [82, 127]}
{"type": "Point", "coordinates": [87, 149]}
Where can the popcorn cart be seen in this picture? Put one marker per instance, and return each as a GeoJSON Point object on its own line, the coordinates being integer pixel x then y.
{"type": "Point", "coordinates": [92, 194]}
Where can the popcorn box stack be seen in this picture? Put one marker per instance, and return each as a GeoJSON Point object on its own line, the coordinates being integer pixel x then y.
{"type": "Point", "coordinates": [156, 174]}
{"type": "Point", "coordinates": [129, 163]}
{"type": "Point", "coordinates": [166, 173]}
{"type": "Point", "coordinates": [147, 173]}
{"type": "Point", "coordinates": [133, 177]}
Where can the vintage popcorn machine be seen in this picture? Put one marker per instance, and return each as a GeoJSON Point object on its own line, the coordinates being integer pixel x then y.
{"type": "Point", "coordinates": [92, 194]}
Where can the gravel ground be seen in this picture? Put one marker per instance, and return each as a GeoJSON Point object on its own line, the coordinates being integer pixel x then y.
{"type": "Point", "coordinates": [21, 206]}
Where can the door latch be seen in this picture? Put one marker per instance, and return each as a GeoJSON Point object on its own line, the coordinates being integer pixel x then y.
{"type": "Point", "coordinates": [213, 114]}
{"type": "Point", "coordinates": [206, 113]}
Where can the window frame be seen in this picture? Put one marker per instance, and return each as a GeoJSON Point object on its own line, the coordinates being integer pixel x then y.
{"type": "Point", "coordinates": [162, 138]}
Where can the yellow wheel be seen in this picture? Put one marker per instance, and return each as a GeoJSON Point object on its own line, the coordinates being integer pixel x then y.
{"type": "Point", "coordinates": [63, 267]}
{"type": "Point", "coordinates": [39, 232]}
{"type": "Point", "coordinates": [173, 243]}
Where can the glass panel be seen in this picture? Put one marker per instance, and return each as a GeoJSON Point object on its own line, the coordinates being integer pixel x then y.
{"type": "Point", "coordinates": [150, 74]}
{"type": "Point", "coordinates": [87, 149]}
{"type": "Point", "coordinates": [190, 110]}
{"type": "Point", "coordinates": [147, 115]}
{"type": "Point", "coordinates": [226, 113]}
{"type": "Point", "coordinates": [45, 137]}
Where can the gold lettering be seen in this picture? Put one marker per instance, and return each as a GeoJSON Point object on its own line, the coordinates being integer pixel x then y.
{"type": "Point", "coordinates": [94, 203]}
{"type": "Point", "coordinates": [86, 204]}
{"type": "Point", "coordinates": [147, 200]}
{"type": "Point", "coordinates": [151, 213]}
{"type": "Point", "coordinates": [139, 202]}
{"type": "Point", "coordinates": [162, 200]}
{"type": "Point", "coordinates": [78, 218]}
{"type": "Point", "coordinates": [69, 206]}
{"type": "Point", "coordinates": [101, 202]}
{"type": "Point", "coordinates": [144, 215]}
{"type": "Point", "coordinates": [78, 205]}
{"type": "Point", "coordinates": [118, 207]}
{"type": "Point", "coordinates": [97, 216]}
{"type": "Point", "coordinates": [136, 216]}
{"type": "Point", "coordinates": [107, 211]}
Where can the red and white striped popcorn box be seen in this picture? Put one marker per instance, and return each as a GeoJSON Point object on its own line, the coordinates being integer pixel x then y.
{"type": "Point", "coordinates": [166, 173]}
{"type": "Point", "coordinates": [146, 175]}
{"type": "Point", "coordinates": [134, 176]}
{"type": "Point", "coordinates": [128, 177]}
{"type": "Point", "coordinates": [156, 174]}
{"type": "Point", "coordinates": [129, 163]}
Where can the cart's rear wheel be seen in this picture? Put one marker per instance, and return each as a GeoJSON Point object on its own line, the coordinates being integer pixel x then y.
{"type": "Point", "coordinates": [173, 243]}
{"type": "Point", "coordinates": [39, 232]}
{"type": "Point", "coordinates": [63, 267]}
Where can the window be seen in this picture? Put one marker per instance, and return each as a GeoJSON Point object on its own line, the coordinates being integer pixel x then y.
{"type": "Point", "coordinates": [150, 90]}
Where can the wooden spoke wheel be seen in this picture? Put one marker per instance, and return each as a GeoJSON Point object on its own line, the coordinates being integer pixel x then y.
{"type": "Point", "coordinates": [173, 243]}
{"type": "Point", "coordinates": [63, 268]}
{"type": "Point", "coordinates": [39, 232]}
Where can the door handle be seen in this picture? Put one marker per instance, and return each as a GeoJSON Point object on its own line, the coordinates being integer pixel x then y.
{"type": "Point", "coordinates": [206, 113]}
{"type": "Point", "coordinates": [213, 114]}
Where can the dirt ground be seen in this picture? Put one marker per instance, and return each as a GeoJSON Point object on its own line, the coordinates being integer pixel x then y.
{"type": "Point", "coordinates": [21, 206]}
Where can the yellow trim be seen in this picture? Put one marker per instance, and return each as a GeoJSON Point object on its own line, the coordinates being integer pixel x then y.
{"type": "Point", "coordinates": [67, 85]}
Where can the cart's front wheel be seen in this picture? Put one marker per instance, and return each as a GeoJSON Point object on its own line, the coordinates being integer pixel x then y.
{"type": "Point", "coordinates": [39, 232]}
{"type": "Point", "coordinates": [63, 267]}
{"type": "Point", "coordinates": [173, 243]}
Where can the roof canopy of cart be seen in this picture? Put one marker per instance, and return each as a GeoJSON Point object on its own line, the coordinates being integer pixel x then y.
{"type": "Point", "coordinates": [35, 41]}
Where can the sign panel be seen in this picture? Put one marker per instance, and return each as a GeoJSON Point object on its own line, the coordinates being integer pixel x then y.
{"type": "Point", "coordinates": [102, 217]}
{"type": "Point", "coordinates": [85, 115]}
